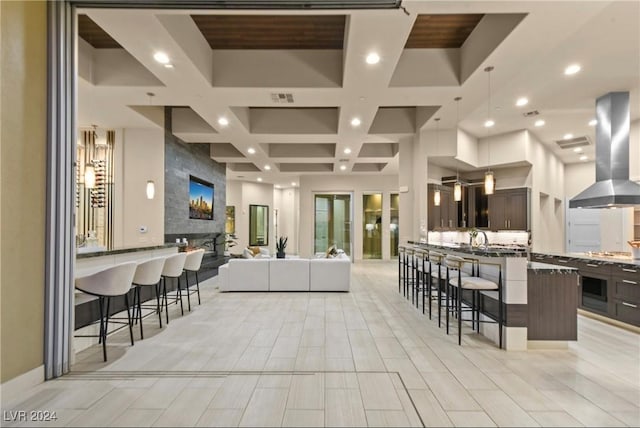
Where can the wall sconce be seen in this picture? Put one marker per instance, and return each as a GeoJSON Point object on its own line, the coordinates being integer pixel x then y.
{"type": "Point", "coordinates": [393, 226]}
{"type": "Point", "coordinates": [151, 189]}
{"type": "Point", "coordinates": [369, 227]}
{"type": "Point", "coordinates": [436, 197]}
{"type": "Point", "coordinates": [89, 176]}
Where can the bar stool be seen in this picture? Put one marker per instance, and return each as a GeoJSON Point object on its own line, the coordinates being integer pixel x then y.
{"type": "Point", "coordinates": [192, 264]}
{"type": "Point", "coordinates": [148, 274]}
{"type": "Point", "coordinates": [106, 284]}
{"type": "Point", "coordinates": [477, 284]}
{"type": "Point", "coordinates": [408, 270]}
{"type": "Point", "coordinates": [173, 267]}
{"type": "Point", "coordinates": [429, 259]}
{"type": "Point", "coordinates": [401, 259]}
{"type": "Point", "coordinates": [420, 284]}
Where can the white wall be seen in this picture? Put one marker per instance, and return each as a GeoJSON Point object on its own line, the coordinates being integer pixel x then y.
{"type": "Point", "coordinates": [358, 186]}
{"type": "Point", "coordinates": [139, 156]}
{"type": "Point", "coordinates": [241, 195]}
{"type": "Point", "coordinates": [286, 202]}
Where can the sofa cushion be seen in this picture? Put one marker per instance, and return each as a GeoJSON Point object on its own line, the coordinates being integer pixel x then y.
{"type": "Point", "coordinates": [289, 275]}
{"type": "Point", "coordinates": [329, 275]}
{"type": "Point", "coordinates": [248, 275]}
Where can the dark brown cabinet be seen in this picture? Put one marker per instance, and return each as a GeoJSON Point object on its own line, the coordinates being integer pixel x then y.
{"type": "Point", "coordinates": [625, 294]}
{"type": "Point", "coordinates": [445, 216]}
{"type": "Point", "coordinates": [605, 288]}
{"type": "Point", "coordinates": [509, 209]}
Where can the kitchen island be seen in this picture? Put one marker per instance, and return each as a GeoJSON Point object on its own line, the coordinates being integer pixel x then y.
{"type": "Point", "coordinates": [609, 284]}
{"type": "Point", "coordinates": [539, 299]}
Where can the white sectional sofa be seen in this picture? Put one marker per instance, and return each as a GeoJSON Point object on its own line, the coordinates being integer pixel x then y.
{"type": "Point", "coordinates": [285, 275]}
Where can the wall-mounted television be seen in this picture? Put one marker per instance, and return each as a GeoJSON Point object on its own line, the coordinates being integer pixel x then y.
{"type": "Point", "coordinates": [200, 199]}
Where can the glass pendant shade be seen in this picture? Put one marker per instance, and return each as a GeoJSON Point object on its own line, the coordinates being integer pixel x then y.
{"type": "Point", "coordinates": [436, 198]}
{"type": "Point", "coordinates": [457, 191]}
{"type": "Point", "coordinates": [151, 189]}
{"type": "Point", "coordinates": [89, 177]}
{"type": "Point", "coordinates": [489, 183]}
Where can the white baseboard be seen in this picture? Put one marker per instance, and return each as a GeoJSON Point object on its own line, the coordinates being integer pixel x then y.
{"type": "Point", "coordinates": [19, 384]}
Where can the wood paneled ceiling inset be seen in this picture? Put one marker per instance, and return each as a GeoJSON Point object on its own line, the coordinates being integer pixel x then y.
{"type": "Point", "coordinates": [272, 31]}
{"type": "Point", "coordinates": [93, 34]}
{"type": "Point", "coordinates": [442, 31]}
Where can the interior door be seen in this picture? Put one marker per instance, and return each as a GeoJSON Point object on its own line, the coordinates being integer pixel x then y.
{"type": "Point", "coordinates": [583, 230]}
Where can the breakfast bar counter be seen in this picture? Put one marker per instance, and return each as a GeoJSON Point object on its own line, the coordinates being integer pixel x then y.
{"type": "Point", "coordinates": [539, 299]}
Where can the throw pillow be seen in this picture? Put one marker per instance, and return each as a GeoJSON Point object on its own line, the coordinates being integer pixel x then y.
{"type": "Point", "coordinates": [331, 252]}
{"type": "Point", "coordinates": [247, 253]}
{"type": "Point", "coordinates": [255, 250]}
{"type": "Point", "coordinates": [265, 252]}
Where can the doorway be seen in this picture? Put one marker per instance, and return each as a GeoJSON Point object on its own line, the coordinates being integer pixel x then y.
{"type": "Point", "coordinates": [372, 226]}
{"type": "Point", "coordinates": [332, 222]}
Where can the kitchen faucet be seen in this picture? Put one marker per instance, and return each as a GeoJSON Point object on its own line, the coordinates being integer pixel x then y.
{"type": "Point", "coordinates": [486, 239]}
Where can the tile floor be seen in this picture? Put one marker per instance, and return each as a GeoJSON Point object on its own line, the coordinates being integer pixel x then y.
{"type": "Point", "coordinates": [338, 359]}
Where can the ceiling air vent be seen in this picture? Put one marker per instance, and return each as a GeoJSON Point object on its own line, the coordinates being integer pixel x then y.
{"type": "Point", "coordinates": [282, 98]}
{"type": "Point", "coordinates": [531, 113]}
{"type": "Point", "coordinates": [573, 142]}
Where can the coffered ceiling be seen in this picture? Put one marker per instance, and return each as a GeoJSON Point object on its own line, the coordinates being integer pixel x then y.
{"type": "Point", "coordinates": [296, 90]}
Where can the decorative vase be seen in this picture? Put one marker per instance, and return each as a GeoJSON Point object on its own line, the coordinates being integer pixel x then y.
{"type": "Point", "coordinates": [280, 255]}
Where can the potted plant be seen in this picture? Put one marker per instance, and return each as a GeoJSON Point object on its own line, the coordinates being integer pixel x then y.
{"type": "Point", "coordinates": [280, 246]}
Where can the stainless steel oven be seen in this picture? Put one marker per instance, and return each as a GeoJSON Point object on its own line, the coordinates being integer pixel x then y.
{"type": "Point", "coordinates": [594, 293]}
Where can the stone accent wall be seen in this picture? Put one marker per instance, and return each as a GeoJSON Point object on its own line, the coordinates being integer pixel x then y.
{"type": "Point", "coordinates": [181, 160]}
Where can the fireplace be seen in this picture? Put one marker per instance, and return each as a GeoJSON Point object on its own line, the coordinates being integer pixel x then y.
{"type": "Point", "coordinates": [213, 245]}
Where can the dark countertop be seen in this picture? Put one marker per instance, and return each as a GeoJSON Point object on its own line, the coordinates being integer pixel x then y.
{"type": "Point", "coordinates": [585, 256]}
{"type": "Point", "coordinates": [477, 251]}
{"type": "Point", "coordinates": [124, 250]}
{"type": "Point", "coordinates": [538, 267]}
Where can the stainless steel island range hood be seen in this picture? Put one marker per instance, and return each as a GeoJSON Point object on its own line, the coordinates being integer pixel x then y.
{"type": "Point", "coordinates": [612, 187]}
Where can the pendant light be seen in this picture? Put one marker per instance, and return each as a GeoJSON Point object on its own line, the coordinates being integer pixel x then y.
{"type": "Point", "coordinates": [489, 180]}
{"type": "Point", "coordinates": [436, 193]}
{"type": "Point", "coordinates": [457, 187]}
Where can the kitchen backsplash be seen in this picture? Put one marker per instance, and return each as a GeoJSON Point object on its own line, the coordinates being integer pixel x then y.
{"type": "Point", "coordinates": [499, 238]}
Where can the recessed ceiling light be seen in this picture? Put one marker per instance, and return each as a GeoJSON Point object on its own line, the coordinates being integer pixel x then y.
{"type": "Point", "coordinates": [568, 136]}
{"type": "Point", "coordinates": [293, 183]}
{"type": "Point", "coordinates": [522, 102]}
{"type": "Point", "coordinates": [355, 122]}
{"type": "Point", "coordinates": [161, 57]}
{"type": "Point", "coordinates": [343, 167]}
{"type": "Point", "coordinates": [593, 122]}
{"type": "Point", "coordinates": [578, 150]}
{"type": "Point", "coordinates": [259, 178]}
{"type": "Point", "coordinates": [584, 157]}
{"type": "Point", "coordinates": [373, 58]}
{"type": "Point", "coordinates": [572, 69]}
{"type": "Point", "coordinates": [489, 123]}
{"type": "Point", "coordinates": [251, 150]}
{"type": "Point", "coordinates": [277, 186]}
{"type": "Point", "coordinates": [539, 123]}
{"type": "Point", "coordinates": [168, 66]}
{"type": "Point", "coordinates": [267, 167]}
{"type": "Point", "coordinates": [223, 121]}
{"type": "Point", "coordinates": [347, 151]}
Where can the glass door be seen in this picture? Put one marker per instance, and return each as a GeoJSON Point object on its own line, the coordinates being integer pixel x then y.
{"type": "Point", "coordinates": [372, 226]}
{"type": "Point", "coordinates": [332, 222]}
{"type": "Point", "coordinates": [394, 232]}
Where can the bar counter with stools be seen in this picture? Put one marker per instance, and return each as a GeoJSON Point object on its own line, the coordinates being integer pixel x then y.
{"type": "Point", "coordinates": [485, 288]}
{"type": "Point", "coordinates": [102, 281]}
{"type": "Point", "coordinates": [515, 303]}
